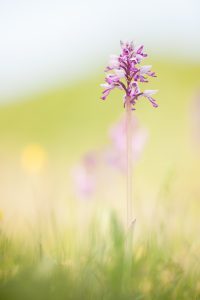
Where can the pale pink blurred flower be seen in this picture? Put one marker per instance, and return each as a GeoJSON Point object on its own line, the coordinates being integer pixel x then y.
{"type": "Point", "coordinates": [84, 176]}
{"type": "Point", "coordinates": [87, 176]}
{"type": "Point", "coordinates": [116, 154]}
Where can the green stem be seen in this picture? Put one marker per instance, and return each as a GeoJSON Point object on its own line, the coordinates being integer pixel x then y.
{"type": "Point", "coordinates": [129, 162]}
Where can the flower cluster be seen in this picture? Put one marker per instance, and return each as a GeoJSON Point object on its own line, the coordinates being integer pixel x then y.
{"type": "Point", "coordinates": [125, 73]}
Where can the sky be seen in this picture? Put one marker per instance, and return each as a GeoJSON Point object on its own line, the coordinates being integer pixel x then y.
{"type": "Point", "coordinates": [44, 42]}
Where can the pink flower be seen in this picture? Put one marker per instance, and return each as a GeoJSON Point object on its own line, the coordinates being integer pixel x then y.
{"type": "Point", "coordinates": [127, 73]}
{"type": "Point", "coordinates": [84, 176]}
{"type": "Point", "coordinates": [148, 94]}
{"type": "Point", "coordinates": [116, 154]}
{"type": "Point", "coordinates": [91, 172]}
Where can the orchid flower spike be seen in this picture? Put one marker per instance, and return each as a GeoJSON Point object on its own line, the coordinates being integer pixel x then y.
{"type": "Point", "coordinates": [125, 73]}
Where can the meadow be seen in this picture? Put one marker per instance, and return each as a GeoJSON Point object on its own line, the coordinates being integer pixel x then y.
{"type": "Point", "coordinates": [56, 246]}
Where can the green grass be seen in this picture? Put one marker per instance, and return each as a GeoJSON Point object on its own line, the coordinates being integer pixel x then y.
{"type": "Point", "coordinates": [101, 266]}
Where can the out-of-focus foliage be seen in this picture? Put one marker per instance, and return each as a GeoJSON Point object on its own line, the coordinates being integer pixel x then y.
{"type": "Point", "coordinates": [61, 257]}
{"type": "Point", "coordinates": [100, 266]}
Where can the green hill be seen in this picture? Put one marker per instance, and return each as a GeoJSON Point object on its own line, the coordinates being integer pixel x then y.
{"type": "Point", "coordinates": [72, 119]}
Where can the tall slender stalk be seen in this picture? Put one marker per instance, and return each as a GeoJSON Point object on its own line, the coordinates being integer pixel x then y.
{"type": "Point", "coordinates": [128, 162]}
{"type": "Point", "coordinates": [125, 73]}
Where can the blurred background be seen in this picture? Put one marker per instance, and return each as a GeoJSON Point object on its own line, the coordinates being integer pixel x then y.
{"type": "Point", "coordinates": [52, 58]}
{"type": "Point", "coordinates": [55, 132]}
